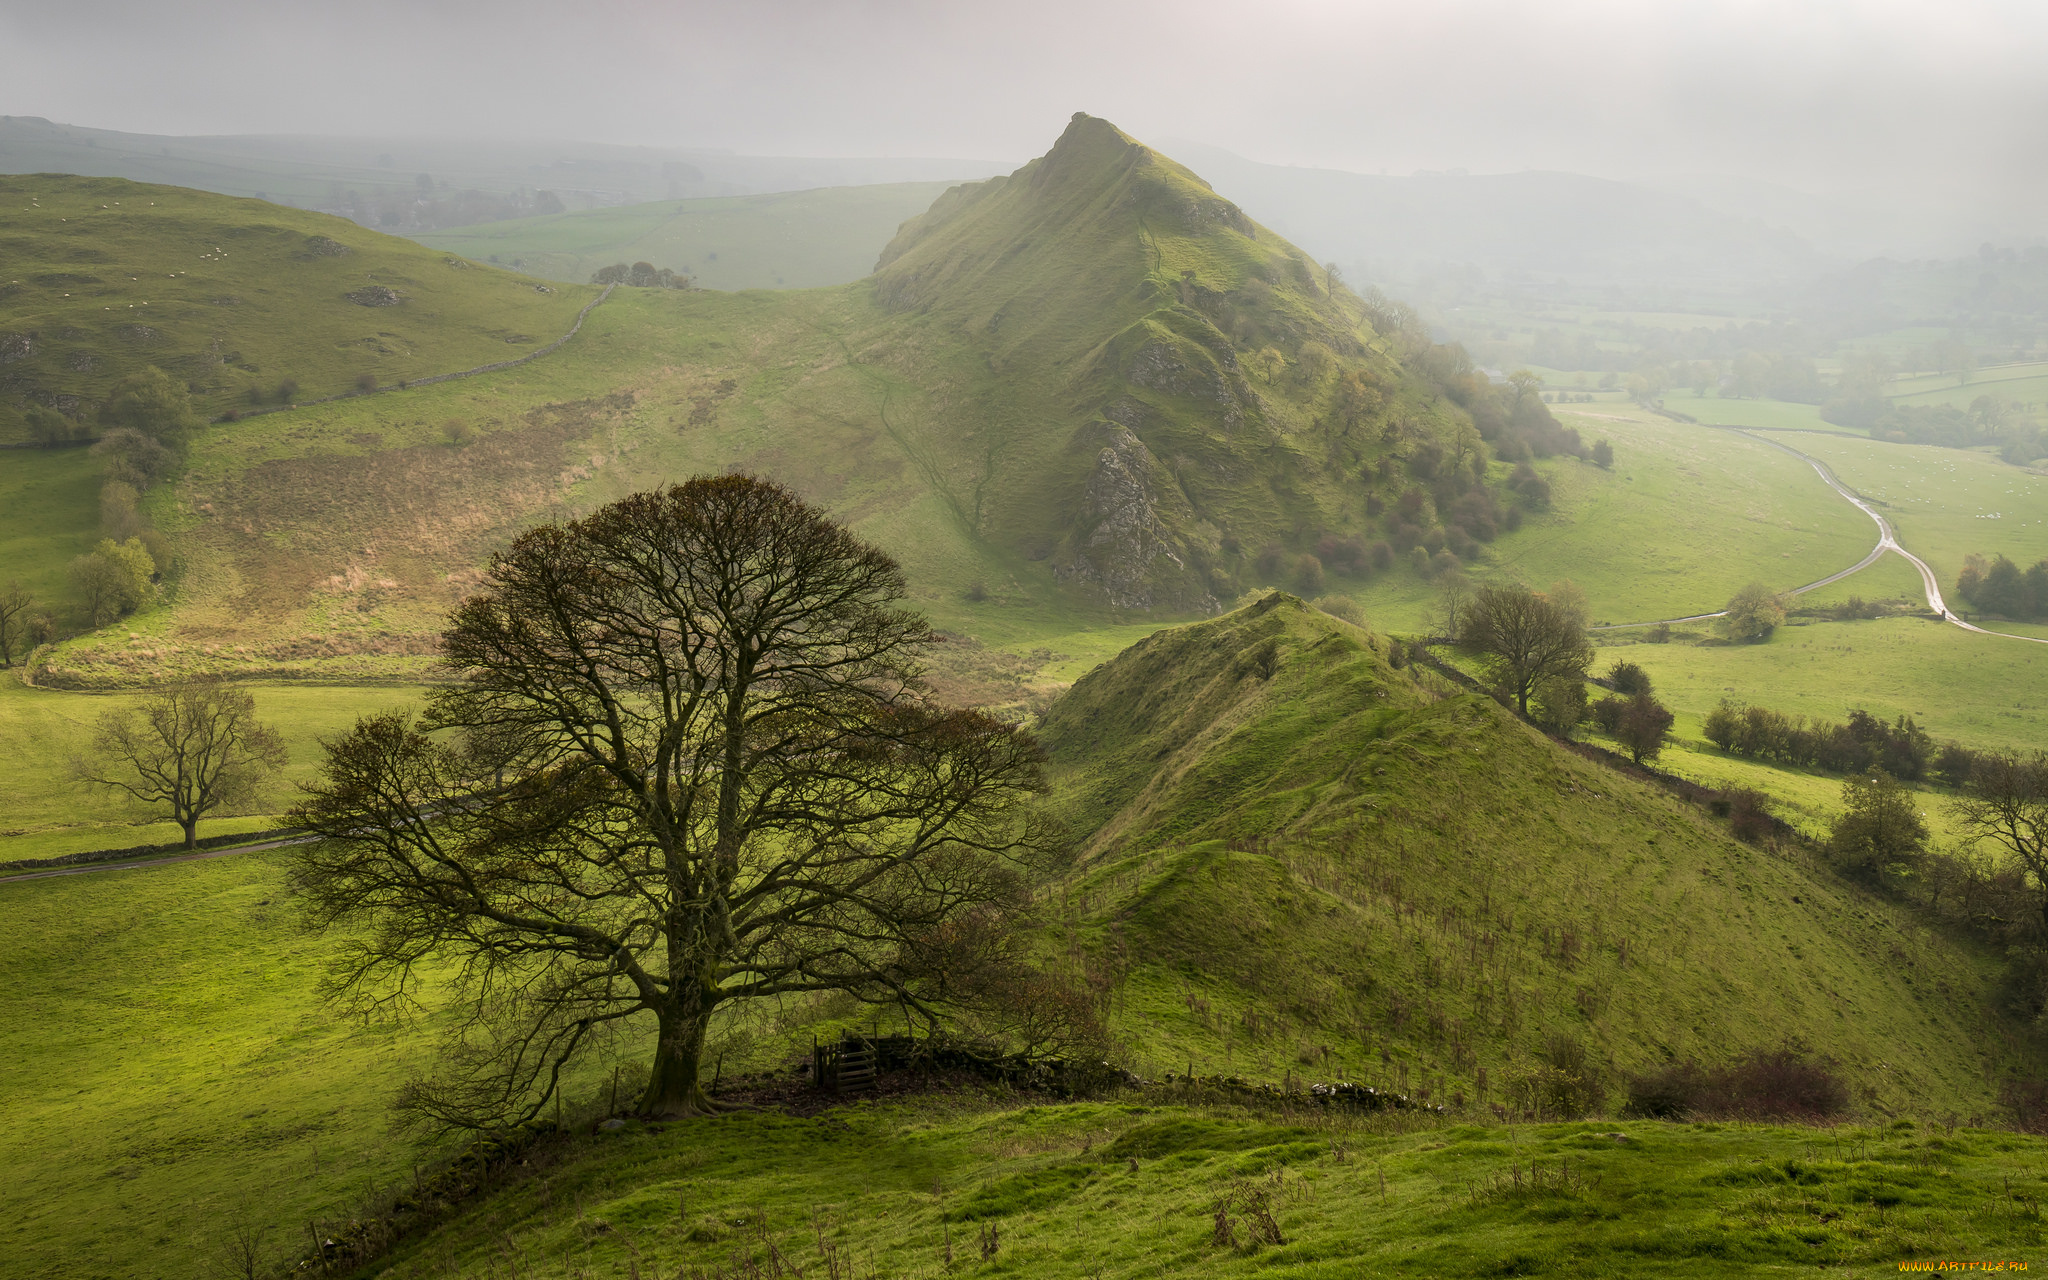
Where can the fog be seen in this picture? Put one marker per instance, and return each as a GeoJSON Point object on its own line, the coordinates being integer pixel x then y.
{"type": "Point", "coordinates": [1939, 107]}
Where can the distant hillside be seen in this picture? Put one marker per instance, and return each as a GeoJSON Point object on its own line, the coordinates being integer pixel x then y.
{"type": "Point", "coordinates": [1299, 858]}
{"type": "Point", "coordinates": [1561, 235]}
{"type": "Point", "coordinates": [378, 181]}
{"type": "Point", "coordinates": [103, 277]}
{"type": "Point", "coordinates": [790, 240]}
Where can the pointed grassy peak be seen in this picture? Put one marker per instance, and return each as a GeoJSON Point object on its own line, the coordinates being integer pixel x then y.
{"type": "Point", "coordinates": [1170, 383]}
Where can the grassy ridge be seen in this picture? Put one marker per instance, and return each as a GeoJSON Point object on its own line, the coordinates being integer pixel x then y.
{"type": "Point", "coordinates": [105, 277]}
{"type": "Point", "coordinates": [1128, 1190]}
{"type": "Point", "coordinates": [1325, 869]}
{"type": "Point", "coordinates": [788, 240]}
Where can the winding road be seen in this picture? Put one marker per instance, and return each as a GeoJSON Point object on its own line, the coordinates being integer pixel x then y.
{"type": "Point", "coordinates": [1887, 540]}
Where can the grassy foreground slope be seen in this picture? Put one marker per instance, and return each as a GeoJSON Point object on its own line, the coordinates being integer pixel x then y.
{"type": "Point", "coordinates": [174, 1073]}
{"type": "Point", "coordinates": [787, 240]}
{"type": "Point", "coordinates": [104, 277]}
{"type": "Point", "coordinates": [1303, 859]}
{"type": "Point", "coordinates": [1131, 1189]}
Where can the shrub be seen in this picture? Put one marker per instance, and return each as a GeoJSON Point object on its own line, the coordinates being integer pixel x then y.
{"type": "Point", "coordinates": [1342, 607]}
{"type": "Point", "coordinates": [1563, 1084]}
{"type": "Point", "coordinates": [1607, 714]}
{"type": "Point", "coordinates": [1628, 679]}
{"type": "Point", "coordinates": [1776, 1084]}
{"type": "Point", "coordinates": [458, 432]}
{"type": "Point", "coordinates": [1749, 814]}
{"type": "Point", "coordinates": [2026, 1104]}
{"type": "Point", "coordinates": [1308, 575]}
{"type": "Point", "coordinates": [1560, 704]}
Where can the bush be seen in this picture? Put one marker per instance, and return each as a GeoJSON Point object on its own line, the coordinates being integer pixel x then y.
{"type": "Point", "coordinates": [1564, 1084]}
{"type": "Point", "coordinates": [458, 432]}
{"type": "Point", "coordinates": [1342, 607]}
{"type": "Point", "coordinates": [1777, 1084]}
{"type": "Point", "coordinates": [1560, 704]}
{"type": "Point", "coordinates": [1628, 679]}
{"type": "Point", "coordinates": [1749, 814]}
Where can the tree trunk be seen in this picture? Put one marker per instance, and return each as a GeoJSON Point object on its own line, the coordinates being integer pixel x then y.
{"type": "Point", "coordinates": [675, 1086]}
{"type": "Point", "coordinates": [191, 826]}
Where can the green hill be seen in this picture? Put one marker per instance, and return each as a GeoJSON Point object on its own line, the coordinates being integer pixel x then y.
{"type": "Point", "coordinates": [1307, 860]}
{"type": "Point", "coordinates": [788, 240]}
{"type": "Point", "coordinates": [104, 277]}
{"type": "Point", "coordinates": [1089, 389]}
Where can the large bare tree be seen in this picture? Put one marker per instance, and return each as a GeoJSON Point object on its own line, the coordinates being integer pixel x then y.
{"type": "Point", "coordinates": [191, 747]}
{"type": "Point", "coordinates": [1524, 638]}
{"type": "Point", "coordinates": [689, 760]}
{"type": "Point", "coordinates": [2006, 802]}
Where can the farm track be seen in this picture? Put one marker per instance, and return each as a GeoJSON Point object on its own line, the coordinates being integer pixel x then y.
{"type": "Point", "coordinates": [1887, 540]}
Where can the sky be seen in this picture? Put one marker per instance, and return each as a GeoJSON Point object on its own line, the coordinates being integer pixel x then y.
{"type": "Point", "coordinates": [1823, 95]}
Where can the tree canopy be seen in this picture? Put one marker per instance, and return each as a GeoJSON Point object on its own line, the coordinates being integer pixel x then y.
{"type": "Point", "coordinates": [688, 760]}
{"type": "Point", "coordinates": [1524, 638]}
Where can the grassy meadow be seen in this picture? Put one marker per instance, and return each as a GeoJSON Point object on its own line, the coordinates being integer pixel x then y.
{"type": "Point", "coordinates": [788, 240]}
{"type": "Point", "coordinates": [175, 1074]}
{"type": "Point", "coordinates": [48, 813]}
{"type": "Point", "coordinates": [1945, 503]}
{"type": "Point", "coordinates": [1730, 412]}
{"type": "Point", "coordinates": [1980, 690]}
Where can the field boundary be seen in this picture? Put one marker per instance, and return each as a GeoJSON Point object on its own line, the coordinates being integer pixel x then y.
{"type": "Point", "coordinates": [148, 855]}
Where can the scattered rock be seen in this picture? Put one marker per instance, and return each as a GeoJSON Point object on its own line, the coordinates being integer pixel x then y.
{"type": "Point", "coordinates": [375, 295]}
{"type": "Point", "coordinates": [323, 247]}
{"type": "Point", "coordinates": [611, 1124]}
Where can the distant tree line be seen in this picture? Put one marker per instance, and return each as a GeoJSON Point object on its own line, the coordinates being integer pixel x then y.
{"type": "Point", "coordinates": [1988, 421]}
{"type": "Point", "coordinates": [640, 275]}
{"type": "Point", "coordinates": [2003, 588]}
{"type": "Point", "coordinates": [1901, 748]}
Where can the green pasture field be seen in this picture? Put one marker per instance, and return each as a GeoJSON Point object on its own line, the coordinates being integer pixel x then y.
{"type": "Point", "coordinates": [1685, 518]}
{"type": "Point", "coordinates": [49, 513]}
{"type": "Point", "coordinates": [1983, 691]}
{"type": "Point", "coordinates": [174, 1075]}
{"type": "Point", "coordinates": [2025, 383]}
{"type": "Point", "coordinates": [1751, 413]}
{"type": "Point", "coordinates": [1131, 1188]}
{"type": "Point", "coordinates": [1810, 801]}
{"type": "Point", "coordinates": [47, 813]}
{"type": "Point", "coordinates": [1945, 503]}
{"type": "Point", "coordinates": [235, 296]}
{"type": "Point", "coordinates": [788, 240]}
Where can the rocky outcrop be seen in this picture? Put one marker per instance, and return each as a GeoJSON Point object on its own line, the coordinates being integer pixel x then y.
{"type": "Point", "coordinates": [1122, 545]}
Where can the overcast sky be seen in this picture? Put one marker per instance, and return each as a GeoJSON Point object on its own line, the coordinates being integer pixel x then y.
{"type": "Point", "coordinates": [1818, 93]}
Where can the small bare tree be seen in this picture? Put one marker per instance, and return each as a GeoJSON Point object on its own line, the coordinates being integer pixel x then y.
{"type": "Point", "coordinates": [2006, 802]}
{"type": "Point", "coordinates": [690, 761]}
{"type": "Point", "coordinates": [15, 603]}
{"type": "Point", "coordinates": [193, 747]}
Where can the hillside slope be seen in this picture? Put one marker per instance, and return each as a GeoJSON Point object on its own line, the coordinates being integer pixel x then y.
{"type": "Point", "coordinates": [1167, 389]}
{"type": "Point", "coordinates": [1334, 868]}
{"type": "Point", "coordinates": [104, 277]}
{"type": "Point", "coordinates": [1089, 389]}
